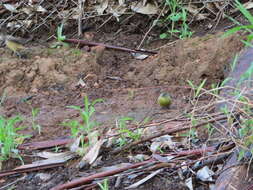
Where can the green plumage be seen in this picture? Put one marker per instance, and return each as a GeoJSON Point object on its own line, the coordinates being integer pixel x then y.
{"type": "Point", "coordinates": [164, 100]}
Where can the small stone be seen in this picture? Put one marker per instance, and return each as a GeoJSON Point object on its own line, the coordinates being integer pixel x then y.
{"type": "Point", "coordinates": [43, 176]}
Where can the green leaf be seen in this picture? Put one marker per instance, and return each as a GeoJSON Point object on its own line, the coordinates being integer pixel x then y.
{"type": "Point", "coordinates": [234, 62]}
{"type": "Point", "coordinates": [60, 37]}
{"type": "Point", "coordinates": [163, 35]}
{"type": "Point", "coordinates": [175, 17]}
{"type": "Point", "coordinates": [174, 31]}
{"type": "Point", "coordinates": [248, 44]}
{"type": "Point", "coordinates": [200, 87]}
{"type": "Point", "coordinates": [233, 30]}
{"type": "Point", "coordinates": [250, 37]}
{"type": "Point", "coordinates": [75, 108]}
{"type": "Point", "coordinates": [97, 101]}
{"type": "Point", "coordinates": [244, 11]}
{"type": "Point", "coordinates": [241, 154]}
{"type": "Point", "coordinates": [225, 81]}
{"type": "Point", "coordinates": [247, 74]}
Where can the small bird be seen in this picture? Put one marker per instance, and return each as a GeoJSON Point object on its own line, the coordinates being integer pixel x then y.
{"type": "Point", "coordinates": [15, 47]}
{"type": "Point", "coordinates": [164, 100]}
{"type": "Point", "coordinates": [14, 44]}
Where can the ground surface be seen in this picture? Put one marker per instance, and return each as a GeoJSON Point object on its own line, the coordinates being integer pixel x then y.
{"type": "Point", "coordinates": [129, 87]}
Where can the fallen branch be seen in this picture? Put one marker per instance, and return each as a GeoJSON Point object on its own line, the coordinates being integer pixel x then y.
{"type": "Point", "coordinates": [88, 43]}
{"type": "Point", "coordinates": [89, 179]}
{"type": "Point", "coordinates": [45, 144]}
{"type": "Point", "coordinates": [166, 132]}
{"type": "Point", "coordinates": [24, 170]}
{"type": "Point", "coordinates": [194, 152]}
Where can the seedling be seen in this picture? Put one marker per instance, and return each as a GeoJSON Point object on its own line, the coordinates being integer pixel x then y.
{"type": "Point", "coordinates": [56, 149]}
{"type": "Point", "coordinates": [247, 28]}
{"type": "Point", "coordinates": [246, 136]}
{"type": "Point", "coordinates": [9, 138]}
{"type": "Point", "coordinates": [177, 15]}
{"type": "Point", "coordinates": [76, 52]}
{"type": "Point", "coordinates": [61, 37]}
{"type": "Point", "coordinates": [126, 133]}
{"type": "Point", "coordinates": [87, 124]}
{"type": "Point", "coordinates": [215, 89]}
{"type": "Point", "coordinates": [247, 74]}
{"type": "Point", "coordinates": [35, 113]}
{"type": "Point", "coordinates": [104, 185]}
{"type": "Point", "coordinates": [210, 129]}
{"type": "Point", "coordinates": [191, 134]}
{"type": "Point", "coordinates": [234, 63]}
{"type": "Point", "coordinates": [196, 89]}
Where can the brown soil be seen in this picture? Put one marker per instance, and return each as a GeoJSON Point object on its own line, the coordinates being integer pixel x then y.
{"type": "Point", "coordinates": [49, 77]}
{"type": "Point", "coordinates": [194, 59]}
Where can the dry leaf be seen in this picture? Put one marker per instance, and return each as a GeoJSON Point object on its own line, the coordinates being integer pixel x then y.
{"type": "Point", "coordinates": [10, 8]}
{"type": "Point", "coordinates": [188, 183]}
{"type": "Point", "coordinates": [92, 154]}
{"type": "Point", "coordinates": [205, 174]}
{"type": "Point", "coordinates": [148, 9]}
{"type": "Point", "coordinates": [101, 7]}
{"type": "Point", "coordinates": [137, 184]}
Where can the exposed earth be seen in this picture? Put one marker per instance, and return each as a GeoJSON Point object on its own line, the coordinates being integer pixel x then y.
{"type": "Point", "coordinates": [49, 80]}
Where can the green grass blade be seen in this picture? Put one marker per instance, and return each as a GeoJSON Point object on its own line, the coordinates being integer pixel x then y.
{"type": "Point", "coordinates": [244, 11]}
{"type": "Point", "coordinates": [200, 87]}
{"type": "Point", "coordinates": [236, 29]}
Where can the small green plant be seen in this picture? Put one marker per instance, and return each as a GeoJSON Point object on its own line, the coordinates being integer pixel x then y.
{"type": "Point", "coordinates": [35, 126]}
{"type": "Point", "coordinates": [177, 15]}
{"type": "Point", "coordinates": [104, 185]}
{"type": "Point", "coordinates": [87, 124]}
{"type": "Point", "coordinates": [160, 150]}
{"type": "Point", "coordinates": [210, 129]}
{"type": "Point", "coordinates": [191, 134]}
{"type": "Point", "coordinates": [246, 28]}
{"type": "Point", "coordinates": [215, 89]}
{"type": "Point", "coordinates": [126, 133]}
{"type": "Point", "coordinates": [196, 89]}
{"type": "Point", "coordinates": [2, 98]}
{"type": "Point", "coordinates": [246, 75]}
{"type": "Point", "coordinates": [9, 138]}
{"type": "Point", "coordinates": [234, 63]}
{"type": "Point", "coordinates": [56, 149]}
{"type": "Point", "coordinates": [224, 82]}
{"type": "Point", "coordinates": [76, 52]}
{"type": "Point", "coordinates": [60, 38]}
{"type": "Point", "coordinates": [246, 136]}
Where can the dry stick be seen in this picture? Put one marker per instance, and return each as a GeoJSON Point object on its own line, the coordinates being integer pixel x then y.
{"type": "Point", "coordinates": [5, 187]}
{"type": "Point", "coordinates": [85, 42]}
{"type": "Point", "coordinates": [169, 131]}
{"type": "Point", "coordinates": [85, 180]}
{"type": "Point", "coordinates": [135, 127]}
{"type": "Point", "coordinates": [80, 6]}
{"type": "Point", "coordinates": [198, 151]}
{"type": "Point", "coordinates": [25, 170]}
{"type": "Point", "coordinates": [45, 144]}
